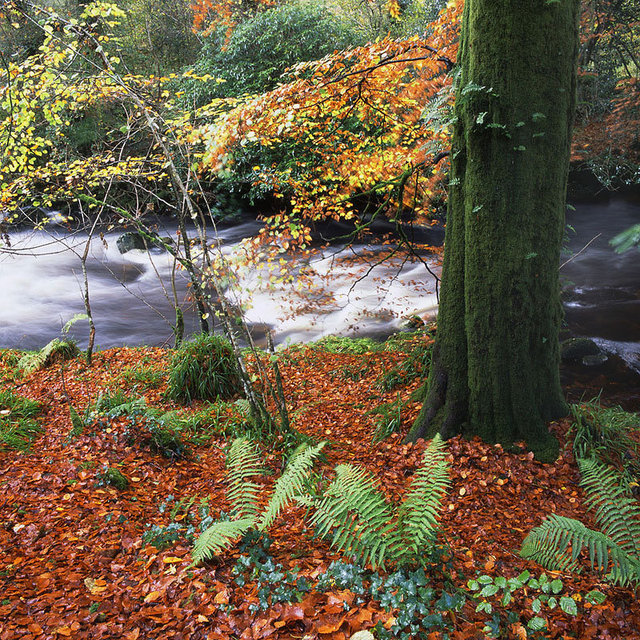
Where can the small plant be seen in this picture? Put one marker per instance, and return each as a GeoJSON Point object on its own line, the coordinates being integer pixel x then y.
{"type": "Point", "coordinates": [558, 542]}
{"type": "Point", "coordinates": [416, 365]}
{"type": "Point", "coordinates": [390, 420]}
{"type": "Point", "coordinates": [204, 369]}
{"type": "Point", "coordinates": [160, 430]}
{"type": "Point", "coordinates": [184, 516]}
{"type": "Point", "coordinates": [364, 525]}
{"type": "Point", "coordinates": [55, 351]}
{"type": "Point", "coordinates": [143, 377]}
{"type": "Point", "coordinates": [110, 476]}
{"type": "Point", "coordinates": [243, 464]}
{"type": "Point", "coordinates": [606, 432]}
{"type": "Point", "coordinates": [274, 584]}
{"type": "Point", "coordinates": [18, 426]}
{"type": "Point", "coordinates": [545, 594]}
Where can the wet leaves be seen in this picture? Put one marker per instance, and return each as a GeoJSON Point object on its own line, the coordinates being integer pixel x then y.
{"type": "Point", "coordinates": [73, 563]}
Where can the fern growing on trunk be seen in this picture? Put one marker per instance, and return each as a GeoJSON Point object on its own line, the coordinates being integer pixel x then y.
{"type": "Point", "coordinates": [558, 542]}
{"type": "Point", "coordinates": [243, 464]}
{"type": "Point", "coordinates": [365, 525]}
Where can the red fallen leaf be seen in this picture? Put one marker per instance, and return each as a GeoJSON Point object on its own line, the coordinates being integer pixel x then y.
{"type": "Point", "coordinates": [292, 612]}
{"type": "Point", "coordinates": [132, 635]}
{"type": "Point", "coordinates": [63, 631]}
{"type": "Point", "coordinates": [330, 624]}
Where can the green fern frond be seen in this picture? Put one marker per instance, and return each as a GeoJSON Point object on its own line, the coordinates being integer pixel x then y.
{"type": "Point", "coordinates": [617, 514]}
{"type": "Point", "coordinates": [558, 542]}
{"type": "Point", "coordinates": [243, 464]}
{"type": "Point", "coordinates": [290, 483]}
{"type": "Point", "coordinates": [218, 537]}
{"type": "Point", "coordinates": [418, 515]}
{"type": "Point", "coordinates": [356, 510]}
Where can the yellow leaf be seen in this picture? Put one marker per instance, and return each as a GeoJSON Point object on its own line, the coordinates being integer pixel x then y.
{"type": "Point", "coordinates": [152, 597]}
{"type": "Point", "coordinates": [171, 559]}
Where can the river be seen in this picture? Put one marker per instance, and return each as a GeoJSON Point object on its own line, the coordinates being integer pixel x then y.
{"type": "Point", "coordinates": [41, 284]}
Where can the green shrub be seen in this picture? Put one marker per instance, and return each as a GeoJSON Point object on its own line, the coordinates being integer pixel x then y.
{"type": "Point", "coordinates": [18, 426]}
{"type": "Point", "coordinates": [261, 49]}
{"type": "Point", "coordinates": [341, 344]}
{"type": "Point", "coordinates": [204, 368]}
{"type": "Point", "coordinates": [55, 351]}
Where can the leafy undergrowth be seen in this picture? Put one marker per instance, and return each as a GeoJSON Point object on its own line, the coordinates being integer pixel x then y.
{"type": "Point", "coordinates": [96, 529]}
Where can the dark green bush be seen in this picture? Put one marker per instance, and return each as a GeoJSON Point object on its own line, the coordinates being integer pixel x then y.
{"type": "Point", "coordinates": [261, 49]}
{"type": "Point", "coordinates": [204, 368]}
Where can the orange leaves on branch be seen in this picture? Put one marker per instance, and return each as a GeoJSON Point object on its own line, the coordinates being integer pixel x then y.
{"type": "Point", "coordinates": [348, 125]}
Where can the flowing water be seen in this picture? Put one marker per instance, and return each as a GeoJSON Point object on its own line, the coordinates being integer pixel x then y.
{"type": "Point", "coordinates": [41, 285]}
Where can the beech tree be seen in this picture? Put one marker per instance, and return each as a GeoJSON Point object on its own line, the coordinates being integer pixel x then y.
{"type": "Point", "coordinates": [495, 368]}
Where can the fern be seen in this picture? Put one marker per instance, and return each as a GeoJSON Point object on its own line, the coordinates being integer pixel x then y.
{"type": "Point", "coordinates": [617, 515]}
{"type": "Point", "coordinates": [558, 542]}
{"type": "Point", "coordinates": [218, 537]}
{"type": "Point", "coordinates": [355, 509]}
{"type": "Point", "coordinates": [243, 465]}
{"type": "Point", "coordinates": [290, 483]}
{"type": "Point", "coordinates": [366, 526]}
{"type": "Point", "coordinates": [419, 512]}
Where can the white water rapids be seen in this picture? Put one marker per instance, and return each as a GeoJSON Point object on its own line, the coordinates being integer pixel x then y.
{"type": "Point", "coordinates": [41, 284]}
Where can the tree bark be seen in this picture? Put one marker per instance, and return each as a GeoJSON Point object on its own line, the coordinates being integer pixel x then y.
{"type": "Point", "coordinates": [495, 370]}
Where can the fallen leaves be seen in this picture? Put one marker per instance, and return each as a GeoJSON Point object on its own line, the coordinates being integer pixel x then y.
{"type": "Point", "coordinates": [72, 561]}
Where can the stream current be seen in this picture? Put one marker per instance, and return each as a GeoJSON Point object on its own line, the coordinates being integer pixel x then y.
{"type": "Point", "coordinates": [41, 286]}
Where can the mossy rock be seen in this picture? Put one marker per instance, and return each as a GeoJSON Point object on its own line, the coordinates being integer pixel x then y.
{"type": "Point", "coordinates": [115, 478]}
{"type": "Point", "coordinates": [131, 240]}
{"type": "Point", "coordinates": [575, 349]}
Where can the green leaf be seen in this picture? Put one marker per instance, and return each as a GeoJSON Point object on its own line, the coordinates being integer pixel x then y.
{"type": "Point", "coordinates": [595, 597]}
{"type": "Point", "coordinates": [556, 586]}
{"type": "Point", "coordinates": [537, 624]}
{"type": "Point", "coordinates": [536, 606]}
{"type": "Point", "coordinates": [489, 590]}
{"type": "Point", "coordinates": [569, 606]}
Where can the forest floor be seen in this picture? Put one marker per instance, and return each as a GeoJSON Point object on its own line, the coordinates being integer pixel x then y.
{"type": "Point", "coordinates": [80, 558]}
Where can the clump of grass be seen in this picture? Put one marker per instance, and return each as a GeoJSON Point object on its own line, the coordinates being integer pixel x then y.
{"type": "Point", "coordinates": [143, 377]}
{"type": "Point", "coordinates": [55, 351]}
{"type": "Point", "coordinates": [204, 368]}
{"type": "Point", "coordinates": [416, 365]}
{"type": "Point", "coordinates": [389, 421]}
{"type": "Point", "coordinates": [18, 426]}
{"type": "Point", "coordinates": [608, 433]}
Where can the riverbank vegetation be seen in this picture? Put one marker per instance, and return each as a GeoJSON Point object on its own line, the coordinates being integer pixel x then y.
{"type": "Point", "coordinates": [226, 491]}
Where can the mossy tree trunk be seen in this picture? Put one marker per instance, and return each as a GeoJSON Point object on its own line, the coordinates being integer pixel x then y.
{"type": "Point", "coordinates": [495, 370]}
